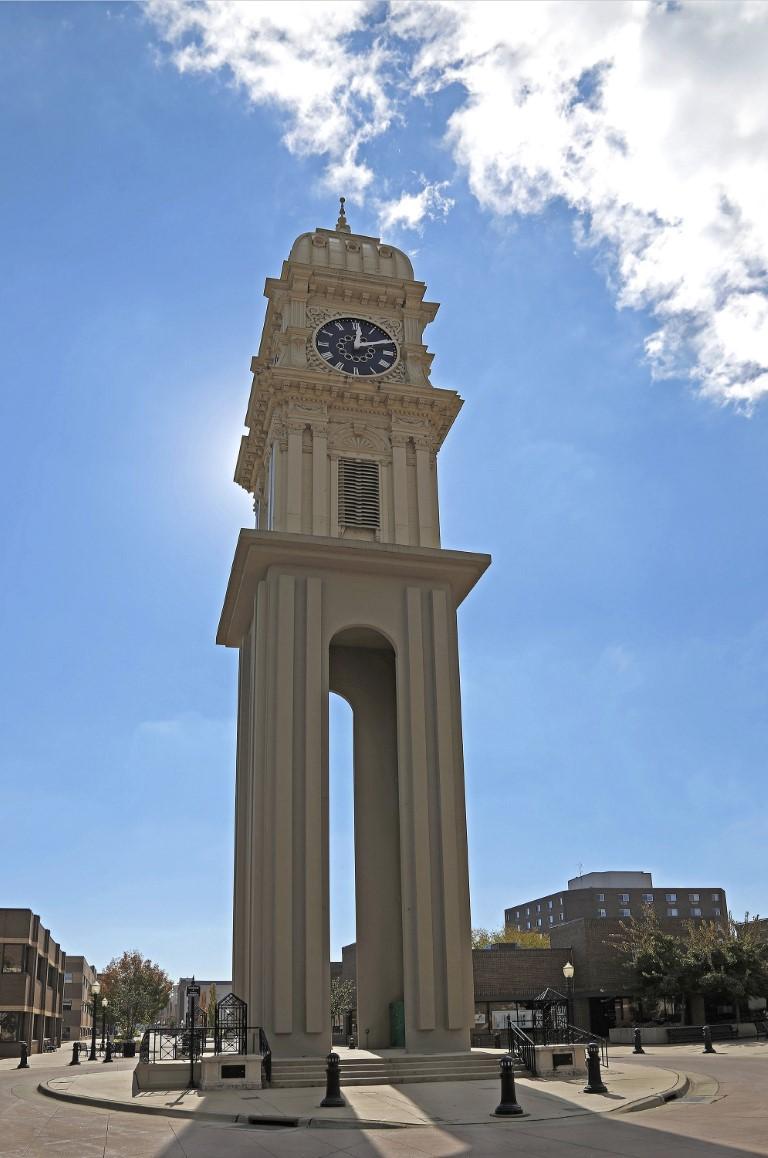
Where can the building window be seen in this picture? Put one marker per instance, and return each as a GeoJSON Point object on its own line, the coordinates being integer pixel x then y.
{"type": "Point", "coordinates": [517, 915]}
{"type": "Point", "coordinates": [551, 919]}
{"type": "Point", "coordinates": [601, 896]}
{"type": "Point", "coordinates": [359, 504]}
{"type": "Point", "coordinates": [693, 898]}
{"type": "Point", "coordinates": [560, 901]}
{"type": "Point", "coordinates": [67, 978]}
{"type": "Point", "coordinates": [51, 974]}
{"type": "Point", "coordinates": [538, 922]}
{"type": "Point", "coordinates": [623, 898]}
{"type": "Point", "coordinates": [602, 913]}
{"type": "Point", "coordinates": [550, 904]}
{"type": "Point", "coordinates": [562, 916]}
{"type": "Point", "coordinates": [538, 908]}
{"type": "Point", "coordinates": [671, 912]}
{"type": "Point", "coordinates": [527, 924]}
{"type": "Point", "coordinates": [10, 1025]}
{"type": "Point", "coordinates": [66, 1006]}
{"type": "Point", "coordinates": [647, 898]}
{"type": "Point", "coordinates": [715, 896]}
{"type": "Point", "coordinates": [670, 898]}
{"type": "Point", "coordinates": [527, 912]}
{"type": "Point", "coordinates": [13, 958]}
{"type": "Point", "coordinates": [695, 912]}
{"type": "Point", "coordinates": [715, 912]}
{"type": "Point", "coordinates": [625, 912]}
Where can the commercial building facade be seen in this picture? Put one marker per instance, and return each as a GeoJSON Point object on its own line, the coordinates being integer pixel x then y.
{"type": "Point", "coordinates": [210, 992]}
{"type": "Point", "coordinates": [31, 983]}
{"type": "Point", "coordinates": [77, 1007]}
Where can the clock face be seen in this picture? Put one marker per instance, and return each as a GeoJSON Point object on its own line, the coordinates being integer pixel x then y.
{"type": "Point", "coordinates": [356, 347]}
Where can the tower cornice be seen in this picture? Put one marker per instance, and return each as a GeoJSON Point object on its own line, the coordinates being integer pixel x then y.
{"type": "Point", "coordinates": [426, 411]}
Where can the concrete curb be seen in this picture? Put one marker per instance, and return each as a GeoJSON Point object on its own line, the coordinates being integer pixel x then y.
{"type": "Point", "coordinates": [677, 1090]}
{"type": "Point", "coordinates": [210, 1116]}
{"type": "Point", "coordinates": [130, 1108]}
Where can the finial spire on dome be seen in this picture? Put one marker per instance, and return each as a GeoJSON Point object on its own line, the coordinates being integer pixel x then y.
{"type": "Point", "coordinates": [341, 224]}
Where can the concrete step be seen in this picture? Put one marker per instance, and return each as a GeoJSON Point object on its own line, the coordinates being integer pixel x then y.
{"type": "Point", "coordinates": [294, 1073]}
{"type": "Point", "coordinates": [392, 1080]}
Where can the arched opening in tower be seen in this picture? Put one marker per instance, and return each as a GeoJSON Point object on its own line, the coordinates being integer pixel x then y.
{"type": "Point", "coordinates": [362, 669]}
{"type": "Point", "coordinates": [341, 857]}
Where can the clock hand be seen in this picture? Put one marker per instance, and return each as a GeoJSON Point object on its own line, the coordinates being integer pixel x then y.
{"type": "Point", "coordinates": [358, 337]}
{"type": "Point", "coordinates": [383, 342]}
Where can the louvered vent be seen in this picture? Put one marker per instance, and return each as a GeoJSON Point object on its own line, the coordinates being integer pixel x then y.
{"type": "Point", "coordinates": [359, 504]}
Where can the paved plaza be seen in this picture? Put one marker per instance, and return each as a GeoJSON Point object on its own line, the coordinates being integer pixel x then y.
{"type": "Point", "coordinates": [719, 1112]}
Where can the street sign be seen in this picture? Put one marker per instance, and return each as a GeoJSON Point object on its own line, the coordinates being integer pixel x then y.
{"type": "Point", "coordinates": [193, 991]}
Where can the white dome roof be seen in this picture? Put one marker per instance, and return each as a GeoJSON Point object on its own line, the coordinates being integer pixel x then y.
{"type": "Point", "coordinates": [338, 249]}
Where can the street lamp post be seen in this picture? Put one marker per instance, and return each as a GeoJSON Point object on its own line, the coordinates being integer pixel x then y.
{"type": "Point", "coordinates": [95, 991]}
{"type": "Point", "coordinates": [103, 1021]}
{"type": "Point", "coordinates": [568, 972]}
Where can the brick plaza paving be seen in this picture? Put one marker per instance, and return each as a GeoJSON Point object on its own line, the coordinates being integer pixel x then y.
{"type": "Point", "coordinates": [721, 1114]}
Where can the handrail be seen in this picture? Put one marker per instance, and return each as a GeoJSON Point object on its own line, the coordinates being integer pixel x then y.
{"type": "Point", "coordinates": [521, 1046]}
{"type": "Point", "coordinates": [266, 1056]}
{"type": "Point", "coordinates": [578, 1034]}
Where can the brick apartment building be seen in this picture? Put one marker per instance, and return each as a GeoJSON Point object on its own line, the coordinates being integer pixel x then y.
{"type": "Point", "coordinates": [618, 895]}
{"type": "Point", "coordinates": [585, 917]}
{"type": "Point", "coordinates": [77, 1007]}
{"type": "Point", "coordinates": [31, 983]}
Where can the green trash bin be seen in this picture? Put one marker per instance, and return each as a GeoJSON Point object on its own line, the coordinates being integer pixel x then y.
{"type": "Point", "coordinates": [397, 1024]}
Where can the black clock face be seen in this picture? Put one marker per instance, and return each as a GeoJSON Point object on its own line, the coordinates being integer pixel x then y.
{"type": "Point", "coordinates": [356, 347]}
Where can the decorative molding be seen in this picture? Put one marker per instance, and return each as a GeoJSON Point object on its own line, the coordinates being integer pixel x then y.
{"type": "Point", "coordinates": [353, 437]}
{"type": "Point", "coordinates": [278, 392]}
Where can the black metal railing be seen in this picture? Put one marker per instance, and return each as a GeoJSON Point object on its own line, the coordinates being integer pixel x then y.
{"type": "Point", "coordinates": [521, 1046]}
{"type": "Point", "coordinates": [584, 1037]}
{"type": "Point", "coordinates": [266, 1056]}
{"type": "Point", "coordinates": [162, 1043]}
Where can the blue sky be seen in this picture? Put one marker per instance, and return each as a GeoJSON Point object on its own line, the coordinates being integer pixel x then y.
{"type": "Point", "coordinates": [614, 659]}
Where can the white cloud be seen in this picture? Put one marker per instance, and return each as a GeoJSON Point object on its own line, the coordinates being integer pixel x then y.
{"type": "Point", "coordinates": [410, 210]}
{"type": "Point", "coordinates": [649, 119]}
{"type": "Point", "coordinates": [298, 57]}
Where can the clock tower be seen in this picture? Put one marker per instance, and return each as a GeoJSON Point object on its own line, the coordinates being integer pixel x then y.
{"type": "Point", "coordinates": [343, 587]}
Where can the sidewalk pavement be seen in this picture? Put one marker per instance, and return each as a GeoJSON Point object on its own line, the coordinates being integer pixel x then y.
{"type": "Point", "coordinates": [417, 1104]}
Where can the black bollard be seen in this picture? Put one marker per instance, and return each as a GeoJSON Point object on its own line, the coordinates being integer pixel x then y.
{"type": "Point", "coordinates": [333, 1096]}
{"type": "Point", "coordinates": [707, 1035]}
{"type": "Point", "coordinates": [595, 1083]}
{"type": "Point", "coordinates": [508, 1106]}
{"type": "Point", "coordinates": [638, 1042]}
{"type": "Point", "coordinates": [75, 1054]}
{"type": "Point", "coordinates": [108, 1055]}
{"type": "Point", "coordinates": [23, 1063]}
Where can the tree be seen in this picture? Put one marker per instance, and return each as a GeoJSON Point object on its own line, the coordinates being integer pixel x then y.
{"type": "Point", "coordinates": [343, 997]}
{"type": "Point", "coordinates": [656, 957]}
{"type": "Point", "coordinates": [136, 988]}
{"type": "Point", "coordinates": [727, 961]}
{"type": "Point", "coordinates": [212, 1005]}
{"type": "Point", "coordinates": [485, 938]}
